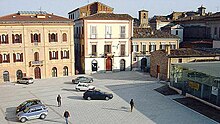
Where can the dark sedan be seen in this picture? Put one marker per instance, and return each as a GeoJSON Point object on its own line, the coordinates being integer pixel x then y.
{"type": "Point", "coordinates": [82, 79]}
{"type": "Point", "coordinates": [27, 103]}
{"type": "Point", "coordinates": [97, 95]}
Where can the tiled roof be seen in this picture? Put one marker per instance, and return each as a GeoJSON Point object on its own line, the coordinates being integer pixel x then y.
{"type": "Point", "coordinates": [185, 52]}
{"type": "Point", "coordinates": [161, 18]}
{"type": "Point", "coordinates": [149, 33]}
{"type": "Point", "coordinates": [108, 16]}
{"type": "Point", "coordinates": [32, 16]}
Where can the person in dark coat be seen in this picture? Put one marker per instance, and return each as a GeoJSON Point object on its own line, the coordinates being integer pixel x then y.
{"type": "Point", "coordinates": [59, 100]}
{"type": "Point", "coordinates": [66, 116]}
{"type": "Point", "coordinates": [132, 104]}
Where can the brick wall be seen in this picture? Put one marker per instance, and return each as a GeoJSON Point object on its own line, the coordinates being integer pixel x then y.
{"type": "Point", "coordinates": [158, 58]}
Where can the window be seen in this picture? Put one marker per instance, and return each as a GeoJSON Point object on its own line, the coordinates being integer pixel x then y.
{"type": "Point", "coordinates": [144, 15]}
{"type": "Point", "coordinates": [6, 58]}
{"type": "Point", "coordinates": [16, 38]}
{"type": "Point", "coordinates": [122, 49]}
{"type": "Point", "coordinates": [4, 39]}
{"type": "Point", "coordinates": [162, 46]}
{"type": "Point", "coordinates": [122, 32]}
{"type": "Point", "coordinates": [108, 31]}
{"type": "Point", "coordinates": [65, 54]}
{"type": "Point", "coordinates": [152, 47]}
{"type": "Point", "coordinates": [53, 37]}
{"type": "Point", "coordinates": [94, 50]}
{"type": "Point", "coordinates": [53, 55]}
{"type": "Point", "coordinates": [107, 49]}
{"type": "Point", "coordinates": [180, 61]}
{"type": "Point", "coordinates": [135, 47]}
{"type": "Point", "coordinates": [35, 37]}
{"type": "Point", "coordinates": [64, 37]}
{"type": "Point", "coordinates": [177, 32]}
{"type": "Point", "coordinates": [36, 56]}
{"type": "Point", "coordinates": [172, 46]}
{"type": "Point", "coordinates": [93, 32]}
{"type": "Point", "coordinates": [215, 32]}
{"type": "Point", "coordinates": [144, 49]}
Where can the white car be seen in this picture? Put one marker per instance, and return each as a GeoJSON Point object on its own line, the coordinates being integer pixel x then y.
{"type": "Point", "coordinates": [84, 86]}
{"type": "Point", "coordinates": [26, 80]}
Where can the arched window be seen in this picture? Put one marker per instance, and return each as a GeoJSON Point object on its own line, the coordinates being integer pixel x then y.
{"type": "Point", "coordinates": [35, 37]}
{"type": "Point", "coordinates": [53, 37]}
{"type": "Point", "coordinates": [64, 37]}
{"type": "Point", "coordinates": [36, 56]}
{"type": "Point", "coordinates": [65, 71]}
{"type": "Point", "coordinates": [19, 74]}
{"type": "Point", "coordinates": [54, 72]}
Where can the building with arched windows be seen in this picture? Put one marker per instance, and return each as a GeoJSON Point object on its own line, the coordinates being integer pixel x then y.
{"type": "Point", "coordinates": [35, 44]}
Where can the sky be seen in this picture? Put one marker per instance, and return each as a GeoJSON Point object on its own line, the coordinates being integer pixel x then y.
{"type": "Point", "coordinates": [155, 7]}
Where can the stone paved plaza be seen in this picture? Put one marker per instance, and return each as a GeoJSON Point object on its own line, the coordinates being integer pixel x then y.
{"type": "Point", "coordinates": [150, 106]}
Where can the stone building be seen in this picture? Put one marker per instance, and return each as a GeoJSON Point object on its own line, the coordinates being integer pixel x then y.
{"type": "Point", "coordinates": [35, 44]}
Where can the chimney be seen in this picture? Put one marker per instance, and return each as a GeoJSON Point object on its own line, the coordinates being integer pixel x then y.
{"type": "Point", "coordinates": [168, 49]}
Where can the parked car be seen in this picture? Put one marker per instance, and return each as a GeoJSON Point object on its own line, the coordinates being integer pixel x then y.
{"type": "Point", "coordinates": [197, 75]}
{"type": "Point", "coordinates": [84, 86]}
{"type": "Point", "coordinates": [26, 80]}
{"type": "Point", "coordinates": [33, 112]}
{"type": "Point", "coordinates": [27, 103]}
{"type": "Point", "coordinates": [82, 79]}
{"type": "Point", "coordinates": [97, 95]}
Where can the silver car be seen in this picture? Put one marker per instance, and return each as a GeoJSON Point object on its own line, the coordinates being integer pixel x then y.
{"type": "Point", "coordinates": [33, 112]}
{"type": "Point", "coordinates": [26, 80]}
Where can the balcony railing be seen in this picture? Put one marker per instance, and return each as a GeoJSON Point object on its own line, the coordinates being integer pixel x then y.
{"type": "Point", "coordinates": [36, 63]}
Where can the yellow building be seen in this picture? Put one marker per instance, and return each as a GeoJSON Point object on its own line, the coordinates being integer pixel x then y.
{"type": "Point", "coordinates": [35, 44]}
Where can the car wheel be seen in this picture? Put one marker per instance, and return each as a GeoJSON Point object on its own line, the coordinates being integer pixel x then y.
{"type": "Point", "coordinates": [27, 83]}
{"type": "Point", "coordinates": [88, 98]}
{"type": "Point", "coordinates": [91, 81]}
{"type": "Point", "coordinates": [43, 116]}
{"type": "Point", "coordinates": [23, 119]}
{"type": "Point", "coordinates": [106, 98]}
{"type": "Point", "coordinates": [77, 89]}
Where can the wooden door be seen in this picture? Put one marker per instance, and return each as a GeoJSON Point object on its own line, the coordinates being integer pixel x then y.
{"type": "Point", "coordinates": [37, 73]}
{"type": "Point", "coordinates": [108, 64]}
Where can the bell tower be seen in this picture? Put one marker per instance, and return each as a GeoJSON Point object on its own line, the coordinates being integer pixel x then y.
{"type": "Point", "coordinates": [143, 18]}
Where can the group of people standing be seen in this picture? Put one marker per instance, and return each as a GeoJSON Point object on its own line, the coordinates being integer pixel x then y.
{"type": "Point", "coordinates": [66, 114]}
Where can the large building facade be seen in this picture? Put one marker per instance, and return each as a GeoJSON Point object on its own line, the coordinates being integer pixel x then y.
{"type": "Point", "coordinates": [35, 44]}
{"type": "Point", "coordinates": [104, 42]}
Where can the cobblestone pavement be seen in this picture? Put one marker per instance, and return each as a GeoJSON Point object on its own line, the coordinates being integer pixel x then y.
{"type": "Point", "coordinates": [150, 106]}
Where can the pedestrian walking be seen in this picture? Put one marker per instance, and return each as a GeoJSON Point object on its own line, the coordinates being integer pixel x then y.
{"type": "Point", "coordinates": [66, 115]}
{"type": "Point", "coordinates": [59, 100]}
{"type": "Point", "coordinates": [132, 104]}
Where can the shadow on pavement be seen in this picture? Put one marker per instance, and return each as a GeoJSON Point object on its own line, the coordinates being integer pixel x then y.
{"type": "Point", "coordinates": [69, 89]}
{"type": "Point", "coordinates": [53, 120]}
{"type": "Point", "coordinates": [10, 114]}
{"type": "Point", "coordinates": [76, 97]}
{"type": "Point", "coordinates": [125, 109]}
{"type": "Point", "coordinates": [124, 75]}
{"type": "Point", "coordinates": [68, 83]}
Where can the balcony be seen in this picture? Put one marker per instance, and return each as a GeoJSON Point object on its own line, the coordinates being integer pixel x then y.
{"type": "Point", "coordinates": [36, 63]}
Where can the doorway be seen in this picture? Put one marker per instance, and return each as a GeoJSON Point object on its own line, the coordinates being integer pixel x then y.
{"type": "Point", "coordinates": [6, 76]}
{"type": "Point", "coordinates": [122, 65]}
{"type": "Point", "coordinates": [94, 65]}
{"type": "Point", "coordinates": [109, 64]}
{"type": "Point", "coordinates": [37, 73]}
{"type": "Point", "coordinates": [144, 64]}
{"type": "Point", "coordinates": [19, 74]}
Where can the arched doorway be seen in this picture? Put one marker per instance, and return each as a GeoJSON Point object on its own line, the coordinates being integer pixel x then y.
{"type": "Point", "coordinates": [19, 74]}
{"type": "Point", "coordinates": [143, 64]}
{"type": "Point", "coordinates": [54, 72]}
{"type": "Point", "coordinates": [94, 65]}
{"type": "Point", "coordinates": [65, 71]}
{"type": "Point", "coordinates": [122, 65]}
{"type": "Point", "coordinates": [109, 64]}
{"type": "Point", "coordinates": [37, 73]}
{"type": "Point", "coordinates": [6, 76]}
